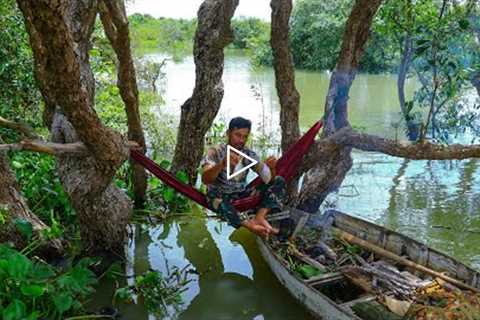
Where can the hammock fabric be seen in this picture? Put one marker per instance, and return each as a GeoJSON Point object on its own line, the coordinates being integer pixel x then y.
{"type": "Point", "coordinates": [287, 166]}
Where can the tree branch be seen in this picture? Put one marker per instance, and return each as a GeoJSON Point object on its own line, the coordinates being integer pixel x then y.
{"type": "Point", "coordinates": [56, 149]}
{"type": "Point", "coordinates": [24, 128]}
{"type": "Point", "coordinates": [419, 151]}
{"type": "Point", "coordinates": [346, 137]}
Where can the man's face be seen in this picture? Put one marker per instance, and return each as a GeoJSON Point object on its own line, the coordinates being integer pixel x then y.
{"type": "Point", "coordinates": [238, 137]}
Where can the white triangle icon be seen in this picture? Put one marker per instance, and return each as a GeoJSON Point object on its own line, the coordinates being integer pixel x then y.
{"type": "Point", "coordinates": [229, 149]}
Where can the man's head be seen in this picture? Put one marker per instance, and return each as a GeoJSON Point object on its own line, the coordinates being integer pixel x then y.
{"type": "Point", "coordinates": [238, 131]}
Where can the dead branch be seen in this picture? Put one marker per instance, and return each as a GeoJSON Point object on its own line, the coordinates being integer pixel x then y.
{"type": "Point", "coordinates": [24, 128]}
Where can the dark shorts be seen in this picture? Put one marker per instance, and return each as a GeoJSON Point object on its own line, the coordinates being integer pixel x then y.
{"type": "Point", "coordinates": [272, 195]}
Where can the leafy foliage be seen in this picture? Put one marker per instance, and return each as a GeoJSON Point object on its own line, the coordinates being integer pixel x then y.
{"type": "Point", "coordinates": [174, 36]}
{"type": "Point", "coordinates": [19, 97]}
{"type": "Point", "coordinates": [159, 292]}
{"type": "Point", "coordinates": [32, 289]}
{"type": "Point", "coordinates": [41, 187]}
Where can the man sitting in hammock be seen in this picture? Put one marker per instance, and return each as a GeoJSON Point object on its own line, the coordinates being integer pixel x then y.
{"type": "Point", "coordinates": [222, 191]}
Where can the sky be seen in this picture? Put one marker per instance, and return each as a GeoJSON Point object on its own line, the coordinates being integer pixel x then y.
{"type": "Point", "coordinates": [188, 8]}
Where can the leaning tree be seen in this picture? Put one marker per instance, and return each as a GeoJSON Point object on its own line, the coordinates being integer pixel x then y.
{"type": "Point", "coordinates": [87, 153]}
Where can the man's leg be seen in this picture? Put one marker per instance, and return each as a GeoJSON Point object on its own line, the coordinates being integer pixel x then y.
{"type": "Point", "coordinates": [272, 199]}
{"type": "Point", "coordinates": [222, 206]}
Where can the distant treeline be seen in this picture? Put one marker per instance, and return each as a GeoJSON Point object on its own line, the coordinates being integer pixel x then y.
{"type": "Point", "coordinates": [316, 31]}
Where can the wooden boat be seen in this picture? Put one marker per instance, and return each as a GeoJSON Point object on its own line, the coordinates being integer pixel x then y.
{"type": "Point", "coordinates": [311, 292]}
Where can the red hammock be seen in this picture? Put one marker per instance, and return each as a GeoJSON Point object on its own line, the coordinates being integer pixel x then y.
{"type": "Point", "coordinates": [287, 166]}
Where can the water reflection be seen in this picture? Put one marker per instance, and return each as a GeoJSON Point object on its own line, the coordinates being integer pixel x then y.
{"type": "Point", "coordinates": [435, 202]}
{"type": "Point", "coordinates": [222, 295]}
{"type": "Point", "coordinates": [231, 280]}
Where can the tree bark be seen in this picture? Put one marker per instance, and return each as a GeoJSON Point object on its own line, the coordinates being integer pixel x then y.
{"type": "Point", "coordinates": [324, 178]}
{"type": "Point", "coordinates": [115, 23]}
{"type": "Point", "coordinates": [14, 206]}
{"type": "Point", "coordinates": [405, 63]}
{"type": "Point", "coordinates": [476, 82]}
{"type": "Point", "coordinates": [213, 34]}
{"type": "Point", "coordinates": [60, 34]}
{"type": "Point", "coordinates": [475, 27]}
{"type": "Point", "coordinates": [407, 54]}
{"type": "Point", "coordinates": [285, 78]}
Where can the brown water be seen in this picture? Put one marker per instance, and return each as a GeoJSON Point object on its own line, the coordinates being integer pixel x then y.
{"type": "Point", "coordinates": [436, 202]}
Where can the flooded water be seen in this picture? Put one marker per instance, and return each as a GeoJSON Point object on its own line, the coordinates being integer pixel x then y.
{"type": "Point", "coordinates": [436, 202]}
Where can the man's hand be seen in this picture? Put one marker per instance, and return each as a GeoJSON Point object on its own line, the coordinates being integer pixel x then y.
{"type": "Point", "coordinates": [234, 159]}
{"type": "Point", "coordinates": [271, 162]}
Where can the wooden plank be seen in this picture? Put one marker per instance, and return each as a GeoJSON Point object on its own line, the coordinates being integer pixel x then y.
{"type": "Point", "coordinates": [300, 224]}
{"type": "Point", "coordinates": [305, 258]}
{"type": "Point", "coordinates": [390, 255]}
{"type": "Point", "coordinates": [366, 298]}
{"type": "Point", "coordinates": [324, 278]}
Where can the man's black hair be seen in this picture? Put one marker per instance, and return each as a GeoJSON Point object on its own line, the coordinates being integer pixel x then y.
{"type": "Point", "coordinates": [239, 123]}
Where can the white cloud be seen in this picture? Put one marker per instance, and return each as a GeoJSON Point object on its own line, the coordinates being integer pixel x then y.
{"type": "Point", "coordinates": [188, 8]}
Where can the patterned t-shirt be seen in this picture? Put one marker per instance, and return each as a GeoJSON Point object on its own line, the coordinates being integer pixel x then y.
{"type": "Point", "coordinates": [237, 183]}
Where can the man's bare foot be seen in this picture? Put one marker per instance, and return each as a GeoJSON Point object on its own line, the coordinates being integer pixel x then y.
{"type": "Point", "coordinates": [256, 228]}
{"type": "Point", "coordinates": [263, 222]}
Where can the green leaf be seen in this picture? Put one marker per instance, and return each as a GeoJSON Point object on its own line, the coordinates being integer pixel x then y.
{"type": "Point", "coordinates": [464, 24]}
{"type": "Point", "coordinates": [15, 310]}
{"type": "Point", "coordinates": [17, 165]}
{"type": "Point", "coordinates": [33, 290]}
{"type": "Point", "coordinates": [42, 271]}
{"type": "Point", "coordinates": [422, 43]}
{"type": "Point", "coordinates": [19, 266]}
{"type": "Point", "coordinates": [420, 50]}
{"type": "Point", "coordinates": [3, 266]}
{"type": "Point", "coordinates": [33, 316]}
{"type": "Point", "coordinates": [308, 271]}
{"type": "Point", "coordinates": [165, 164]}
{"type": "Point", "coordinates": [182, 176]}
{"type": "Point", "coordinates": [24, 227]}
{"type": "Point", "coordinates": [168, 194]}
{"type": "Point", "coordinates": [123, 294]}
{"type": "Point", "coordinates": [62, 302]}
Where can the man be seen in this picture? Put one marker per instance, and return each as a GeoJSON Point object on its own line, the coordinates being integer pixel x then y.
{"type": "Point", "coordinates": [222, 191]}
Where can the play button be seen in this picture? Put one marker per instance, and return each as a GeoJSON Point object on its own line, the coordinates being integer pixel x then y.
{"type": "Point", "coordinates": [229, 173]}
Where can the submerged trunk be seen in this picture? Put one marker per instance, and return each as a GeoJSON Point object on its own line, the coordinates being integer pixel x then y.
{"type": "Point", "coordinates": [327, 176]}
{"type": "Point", "coordinates": [60, 39]}
{"type": "Point", "coordinates": [213, 34]}
{"type": "Point", "coordinates": [285, 78]}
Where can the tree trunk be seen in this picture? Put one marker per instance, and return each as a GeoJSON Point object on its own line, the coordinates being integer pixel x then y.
{"type": "Point", "coordinates": [326, 177]}
{"type": "Point", "coordinates": [213, 34]}
{"type": "Point", "coordinates": [115, 22]}
{"type": "Point", "coordinates": [475, 27]}
{"type": "Point", "coordinates": [407, 54]}
{"type": "Point", "coordinates": [14, 206]}
{"type": "Point", "coordinates": [285, 78]}
{"type": "Point", "coordinates": [476, 82]}
{"type": "Point", "coordinates": [60, 39]}
{"type": "Point", "coordinates": [103, 216]}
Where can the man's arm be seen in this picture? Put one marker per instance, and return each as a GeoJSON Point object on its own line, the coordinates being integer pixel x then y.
{"type": "Point", "coordinates": [211, 171]}
{"type": "Point", "coordinates": [266, 169]}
